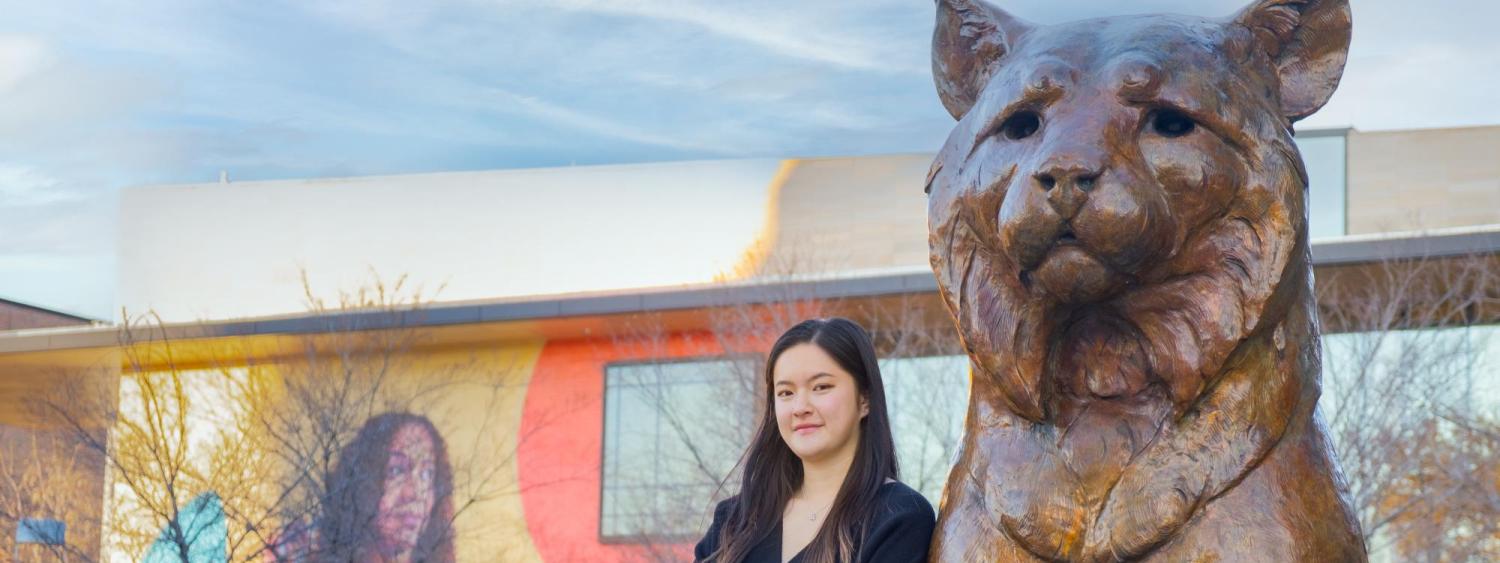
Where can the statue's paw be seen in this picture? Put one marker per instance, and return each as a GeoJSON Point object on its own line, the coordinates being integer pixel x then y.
{"type": "Point", "coordinates": [1138, 516]}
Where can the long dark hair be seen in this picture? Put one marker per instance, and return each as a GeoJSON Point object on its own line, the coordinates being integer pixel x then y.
{"type": "Point", "coordinates": [772, 472]}
{"type": "Point", "coordinates": [354, 491]}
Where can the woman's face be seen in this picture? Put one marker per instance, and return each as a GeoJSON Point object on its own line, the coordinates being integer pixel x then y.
{"type": "Point", "coordinates": [818, 404]}
{"type": "Point", "coordinates": [409, 494]}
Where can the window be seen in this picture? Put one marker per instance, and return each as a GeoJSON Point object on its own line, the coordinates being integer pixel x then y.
{"type": "Point", "coordinates": [672, 432]}
{"type": "Point", "coordinates": [1443, 364]}
{"type": "Point", "coordinates": [1323, 152]}
{"type": "Point", "coordinates": [927, 398]}
{"type": "Point", "coordinates": [1410, 414]}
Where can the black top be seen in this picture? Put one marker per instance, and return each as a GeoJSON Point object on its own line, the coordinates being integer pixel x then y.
{"type": "Point", "coordinates": [898, 532]}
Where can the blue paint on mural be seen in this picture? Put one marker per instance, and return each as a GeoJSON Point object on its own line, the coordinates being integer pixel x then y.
{"type": "Point", "coordinates": [201, 527]}
{"type": "Point", "coordinates": [42, 531]}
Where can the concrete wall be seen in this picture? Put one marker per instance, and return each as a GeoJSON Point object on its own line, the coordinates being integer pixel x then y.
{"type": "Point", "coordinates": [850, 214]}
{"type": "Point", "coordinates": [224, 251]}
{"type": "Point", "coordinates": [1423, 179]}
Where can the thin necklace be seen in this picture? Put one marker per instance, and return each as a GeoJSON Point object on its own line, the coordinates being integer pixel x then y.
{"type": "Point", "coordinates": [814, 516]}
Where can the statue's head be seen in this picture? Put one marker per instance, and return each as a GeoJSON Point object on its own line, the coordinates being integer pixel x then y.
{"type": "Point", "coordinates": [1095, 160]}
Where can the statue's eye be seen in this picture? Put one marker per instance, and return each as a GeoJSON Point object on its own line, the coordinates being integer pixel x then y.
{"type": "Point", "coordinates": [1171, 123]}
{"type": "Point", "coordinates": [1021, 125]}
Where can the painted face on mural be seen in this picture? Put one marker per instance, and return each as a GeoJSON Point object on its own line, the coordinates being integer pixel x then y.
{"type": "Point", "coordinates": [408, 494]}
{"type": "Point", "coordinates": [818, 404]}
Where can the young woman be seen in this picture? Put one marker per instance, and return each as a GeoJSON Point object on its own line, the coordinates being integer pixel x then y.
{"type": "Point", "coordinates": [819, 481]}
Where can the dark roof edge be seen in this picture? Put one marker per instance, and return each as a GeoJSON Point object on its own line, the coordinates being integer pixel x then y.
{"type": "Point", "coordinates": [1323, 132]}
{"type": "Point", "coordinates": [1337, 252]}
{"type": "Point", "coordinates": [53, 312]}
{"type": "Point", "coordinates": [1402, 246]}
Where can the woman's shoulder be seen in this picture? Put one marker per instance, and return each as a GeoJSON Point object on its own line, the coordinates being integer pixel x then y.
{"type": "Point", "coordinates": [724, 507]}
{"type": "Point", "coordinates": [710, 542]}
{"type": "Point", "coordinates": [900, 500]}
{"type": "Point", "coordinates": [901, 526]}
{"type": "Point", "coordinates": [722, 510]}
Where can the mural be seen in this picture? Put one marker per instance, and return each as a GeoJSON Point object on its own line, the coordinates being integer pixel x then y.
{"type": "Point", "coordinates": [389, 500]}
{"type": "Point", "coordinates": [395, 476]}
{"type": "Point", "coordinates": [474, 454]}
{"type": "Point", "coordinates": [463, 474]}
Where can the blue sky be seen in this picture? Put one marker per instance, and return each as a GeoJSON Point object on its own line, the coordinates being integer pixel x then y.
{"type": "Point", "coordinates": [104, 95]}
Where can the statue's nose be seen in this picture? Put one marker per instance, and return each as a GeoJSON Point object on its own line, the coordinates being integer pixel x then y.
{"type": "Point", "coordinates": [1067, 181]}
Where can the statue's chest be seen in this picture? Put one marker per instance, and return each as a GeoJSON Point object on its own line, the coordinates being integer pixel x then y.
{"type": "Point", "coordinates": [1045, 486]}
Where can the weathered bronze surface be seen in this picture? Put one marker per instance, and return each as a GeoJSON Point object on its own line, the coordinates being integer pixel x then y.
{"type": "Point", "coordinates": [1118, 227]}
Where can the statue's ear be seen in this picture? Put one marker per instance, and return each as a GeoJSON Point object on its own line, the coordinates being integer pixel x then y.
{"type": "Point", "coordinates": [970, 39]}
{"type": "Point", "coordinates": [1308, 41]}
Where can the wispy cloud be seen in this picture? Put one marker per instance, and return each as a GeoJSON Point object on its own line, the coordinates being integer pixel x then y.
{"type": "Point", "coordinates": [45, 94]}
{"type": "Point", "coordinates": [24, 186]}
{"type": "Point", "coordinates": [776, 26]}
{"type": "Point", "coordinates": [1397, 90]}
{"type": "Point", "coordinates": [563, 115]}
{"type": "Point", "coordinates": [20, 57]}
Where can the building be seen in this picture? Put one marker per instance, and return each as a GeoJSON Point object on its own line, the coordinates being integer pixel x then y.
{"type": "Point", "coordinates": [15, 315]}
{"type": "Point", "coordinates": [585, 314]}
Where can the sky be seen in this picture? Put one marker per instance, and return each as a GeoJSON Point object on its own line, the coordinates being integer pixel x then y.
{"type": "Point", "coordinates": [96, 97]}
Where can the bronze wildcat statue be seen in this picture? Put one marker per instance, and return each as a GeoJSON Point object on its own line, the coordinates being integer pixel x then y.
{"type": "Point", "coordinates": [1118, 226]}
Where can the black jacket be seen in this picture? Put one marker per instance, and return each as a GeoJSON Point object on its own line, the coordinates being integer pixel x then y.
{"type": "Point", "coordinates": [899, 531]}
